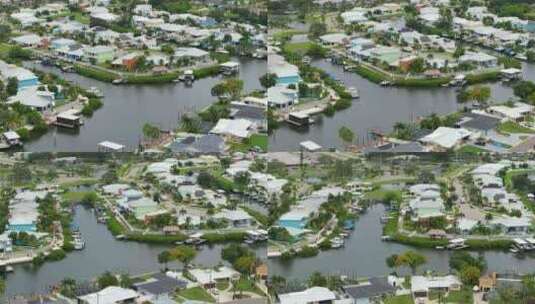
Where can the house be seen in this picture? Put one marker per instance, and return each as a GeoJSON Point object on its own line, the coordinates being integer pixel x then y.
{"type": "Point", "coordinates": [286, 74]}
{"type": "Point", "coordinates": [481, 60]}
{"type": "Point", "coordinates": [252, 112]}
{"type": "Point", "coordinates": [334, 39]}
{"type": "Point", "coordinates": [143, 10]}
{"type": "Point", "coordinates": [280, 97]}
{"type": "Point", "coordinates": [422, 286]}
{"type": "Point", "coordinates": [234, 128]}
{"type": "Point", "coordinates": [191, 53]}
{"type": "Point", "coordinates": [199, 144]}
{"type": "Point", "coordinates": [207, 278]}
{"type": "Point", "coordinates": [100, 54]}
{"type": "Point", "coordinates": [515, 112]}
{"type": "Point", "coordinates": [61, 43]}
{"type": "Point", "coordinates": [478, 123]}
{"type": "Point", "coordinates": [369, 291]}
{"type": "Point", "coordinates": [25, 77]}
{"type": "Point", "coordinates": [110, 295]}
{"type": "Point", "coordinates": [356, 15]}
{"type": "Point", "coordinates": [12, 138]}
{"type": "Point", "coordinates": [512, 225]}
{"type": "Point", "coordinates": [237, 218]}
{"type": "Point", "coordinates": [445, 138]}
{"type": "Point", "coordinates": [427, 202]}
{"type": "Point", "coordinates": [33, 97]}
{"type": "Point", "coordinates": [159, 284]}
{"type": "Point", "coordinates": [26, 18]}
{"type": "Point", "coordinates": [311, 295]}
{"type": "Point", "coordinates": [142, 208]}
{"type": "Point", "coordinates": [23, 213]}
{"type": "Point", "coordinates": [30, 40]}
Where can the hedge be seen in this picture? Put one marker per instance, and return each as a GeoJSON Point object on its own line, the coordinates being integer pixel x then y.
{"type": "Point", "coordinates": [206, 72]}
{"type": "Point", "coordinates": [148, 79]}
{"type": "Point", "coordinates": [422, 82]}
{"type": "Point", "coordinates": [483, 77]}
{"type": "Point", "coordinates": [224, 237]}
{"type": "Point", "coordinates": [156, 238]}
{"type": "Point", "coordinates": [95, 73]}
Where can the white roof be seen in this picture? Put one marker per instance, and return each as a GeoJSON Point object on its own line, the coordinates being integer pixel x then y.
{"type": "Point", "coordinates": [310, 145]}
{"type": "Point", "coordinates": [233, 215]}
{"type": "Point", "coordinates": [421, 283]}
{"type": "Point", "coordinates": [206, 276]}
{"type": "Point", "coordinates": [109, 295]}
{"type": "Point", "coordinates": [518, 110]}
{"type": "Point", "coordinates": [190, 52]}
{"type": "Point", "coordinates": [234, 127]}
{"type": "Point", "coordinates": [446, 137]}
{"type": "Point", "coordinates": [28, 39]}
{"type": "Point", "coordinates": [11, 135]}
{"type": "Point", "coordinates": [334, 38]}
{"type": "Point", "coordinates": [311, 295]}
{"type": "Point", "coordinates": [111, 145]}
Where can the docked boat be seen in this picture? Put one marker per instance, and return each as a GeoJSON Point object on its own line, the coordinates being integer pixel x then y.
{"type": "Point", "coordinates": [385, 238]}
{"type": "Point", "coordinates": [9, 269]}
{"type": "Point", "coordinates": [385, 83]}
{"type": "Point", "coordinates": [95, 91]}
{"type": "Point", "coordinates": [118, 81]}
{"type": "Point", "coordinates": [354, 92]}
{"type": "Point", "coordinates": [307, 60]}
{"type": "Point", "coordinates": [337, 242]}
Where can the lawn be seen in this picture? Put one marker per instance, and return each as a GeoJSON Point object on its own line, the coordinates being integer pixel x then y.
{"type": "Point", "coordinates": [248, 285]}
{"type": "Point", "coordinates": [405, 299]}
{"type": "Point", "coordinates": [256, 140]}
{"type": "Point", "coordinates": [464, 296]}
{"type": "Point", "coordinates": [298, 47]}
{"type": "Point", "coordinates": [196, 294]}
{"type": "Point", "coordinates": [222, 284]}
{"type": "Point", "coordinates": [513, 127]}
{"type": "Point", "coordinates": [469, 149]}
{"type": "Point", "coordinates": [74, 196]}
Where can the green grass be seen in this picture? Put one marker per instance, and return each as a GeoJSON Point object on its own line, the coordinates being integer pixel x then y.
{"type": "Point", "coordinates": [222, 284]}
{"type": "Point", "coordinates": [513, 127]}
{"type": "Point", "coordinates": [300, 48]}
{"type": "Point", "coordinates": [256, 140]}
{"type": "Point", "coordinates": [464, 296]}
{"type": "Point", "coordinates": [95, 73]}
{"type": "Point", "coordinates": [404, 299]}
{"type": "Point", "coordinates": [4, 50]}
{"type": "Point", "coordinates": [74, 197]}
{"type": "Point", "coordinates": [469, 149]}
{"type": "Point", "coordinates": [248, 286]}
{"type": "Point", "coordinates": [196, 294]}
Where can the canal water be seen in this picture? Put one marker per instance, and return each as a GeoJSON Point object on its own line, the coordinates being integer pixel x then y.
{"type": "Point", "coordinates": [128, 107]}
{"type": "Point", "coordinates": [364, 255]}
{"type": "Point", "coordinates": [378, 108]}
{"type": "Point", "coordinates": [102, 253]}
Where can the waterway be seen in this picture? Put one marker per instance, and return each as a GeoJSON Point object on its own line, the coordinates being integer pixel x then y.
{"type": "Point", "coordinates": [378, 108]}
{"type": "Point", "coordinates": [102, 253]}
{"type": "Point", "coordinates": [364, 255]}
{"type": "Point", "coordinates": [128, 107]}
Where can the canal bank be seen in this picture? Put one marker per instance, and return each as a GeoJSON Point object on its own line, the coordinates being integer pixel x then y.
{"type": "Point", "coordinates": [378, 108]}
{"type": "Point", "coordinates": [102, 253]}
{"type": "Point", "coordinates": [364, 255]}
{"type": "Point", "coordinates": [128, 107]}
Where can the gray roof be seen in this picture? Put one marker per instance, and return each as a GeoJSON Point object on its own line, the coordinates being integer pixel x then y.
{"type": "Point", "coordinates": [210, 143]}
{"type": "Point", "coordinates": [478, 122]}
{"type": "Point", "coordinates": [160, 284]}
{"type": "Point", "coordinates": [411, 147]}
{"type": "Point", "coordinates": [248, 111]}
{"type": "Point", "coordinates": [376, 287]}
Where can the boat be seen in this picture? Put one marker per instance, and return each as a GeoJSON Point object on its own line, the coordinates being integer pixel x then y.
{"type": "Point", "coordinates": [118, 81]}
{"type": "Point", "coordinates": [514, 250]}
{"type": "Point", "coordinates": [79, 243]}
{"type": "Point", "coordinates": [385, 83]}
{"type": "Point", "coordinates": [440, 247]}
{"type": "Point", "coordinates": [307, 60]}
{"type": "Point", "coordinates": [337, 242]}
{"type": "Point", "coordinates": [249, 241]}
{"type": "Point", "coordinates": [354, 92]}
{"type": "Point", "coordinates": [9, 269]}
{"type": "Point", "coordinates": [95, 91]}
{"type": "Point", "coordinates": [385, 238]}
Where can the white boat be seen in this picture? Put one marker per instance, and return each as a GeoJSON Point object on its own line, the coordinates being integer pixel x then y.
{"type": "Point", "coordinates": [9, 268]}
{"type": "Point", "coordinates": [117, 81]}
{"type": "Point", "coordinates": [385, 83]}
{"type": "Point", "coordinates": [354, 92]}
{"type": "Point", "coordinates": [79, 243]}
{"type": "Point", "coordinates": [95, 91]}
{"type": "Point", "coordinates": [337, 242]}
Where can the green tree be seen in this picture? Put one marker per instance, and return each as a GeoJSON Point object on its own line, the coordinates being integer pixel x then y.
{"type": "Point", "coordinates": [107, 279]}
{"type": "Point", "coordinates": [268, 80]}
{"type": "Point", "coordinates": [317, 29]}
{"type": "Point", "coordinates": [346, 135]}
{"type": "Point", "coordinates": [150, 131]}
{"type": "Point", "coordinates": [12, 86]}
{"type": "Point", "coordinates": [184, 254]}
